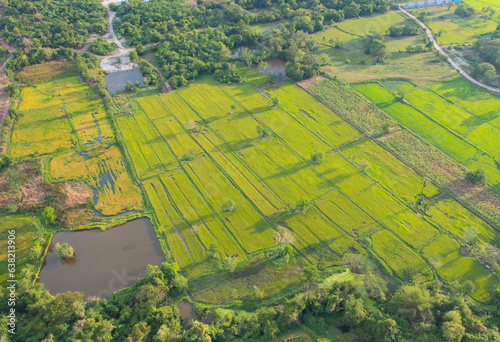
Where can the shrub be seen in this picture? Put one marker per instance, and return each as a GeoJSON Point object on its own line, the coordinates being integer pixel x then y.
{"type": "Point", "coordinates": [229, 207]}
{"type": "Point", "coordinates": [65, 251]}
{"type": "Point", "coordinates": [477, 176]}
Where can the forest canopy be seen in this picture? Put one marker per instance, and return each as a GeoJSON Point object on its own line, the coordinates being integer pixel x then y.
{"type": "Point", "coordinates": [57, 23]}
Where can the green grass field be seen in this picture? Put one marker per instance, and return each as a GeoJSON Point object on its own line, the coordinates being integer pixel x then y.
{"type": "Point", "coordinates": [452, 266]}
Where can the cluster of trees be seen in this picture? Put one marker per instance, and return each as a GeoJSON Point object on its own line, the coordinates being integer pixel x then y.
{"type": "Point", "coordinates": [376, 47]}
{"type": "Point", "coordinates": [22, 58]}
{"type": "Point", "coordinates": [186, 56]}
{"type": "Point", "coordinates": [489, 51]}
{"type": "Point", "coordinates": [406, 30]}
{"type": "Point", "coordinates": [58, 23]}
{"type": "Point", "coordinates": [464, 10]}
{"type": "Point", "coordinates": [101, 46]}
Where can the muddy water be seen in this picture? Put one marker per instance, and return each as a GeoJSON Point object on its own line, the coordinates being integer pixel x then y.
{"type": "Point", "coordinates": [116, 81]}
{"type": "Point", "coordinates": [236, 52]}
{"type": "Point", "coordinates": [276, 66]}
{"type": "Point", "coordinates": [188, 314]}
{"type": "Point", "coordinates": [105, 262]}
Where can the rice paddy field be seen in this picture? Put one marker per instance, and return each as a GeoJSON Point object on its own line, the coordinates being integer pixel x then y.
{"type": "Point", "coordinates": [455, 117]}
{"type": "Point", "coordinates": [194, 154]}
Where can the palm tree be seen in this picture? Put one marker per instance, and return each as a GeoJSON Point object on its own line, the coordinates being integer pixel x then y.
{"type": "Point", "coordinates": [425, 182]}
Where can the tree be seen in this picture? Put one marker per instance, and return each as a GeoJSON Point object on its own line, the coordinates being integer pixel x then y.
{"type": "Point", "coordinates": [467, 288]}
{"type": "Point", "coordinates": [264, 133]}
{"type": "Point", "coordinates": [129, 86]}
{"type": "Point", "coordinates": [234, 107]}
{"type": "Point", "coordinates": [275, 101]}
{"type": "Point", "coordinates": [355, 312]}
{"type": "Point", "coordinates": [262, 67]}
{"type": "Point", "coordinates": [425, 182]}
{"type": "Point", "coordinates": [65, 251]}
{"type": "Point", "coordinates": [134, 57]}
{"type": "Point", "coordinates": [413, 303]}
{"type": "Point", "coordinates": [256, 293]}
{"type": "Point", "coordinates": [464, 10]}
{"type": "Point", "coordinates": [229, 207]}
{"type": "Point", "coordinates": [478, 176]}
{"type": "Point", "coordinates": [231, 263]}
{"type": "Point", "coordinates": [199, 332]}
{"type": "Point", "coordinates": [311, 273]}
{"type": "Point", "coordinates": [317, 157]}
{"type": "Point", "coordinates": [302, 205]}
{"type": "Point", "coordinates": [49, 216]}
{"type": "Point", "coordinates": [452, 329]}
{"type": "Point", "coordinates": [324, 59]}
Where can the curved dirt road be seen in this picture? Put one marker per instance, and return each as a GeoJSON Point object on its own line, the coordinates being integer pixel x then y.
{"type": "Point", "coordinates": [453, 64]}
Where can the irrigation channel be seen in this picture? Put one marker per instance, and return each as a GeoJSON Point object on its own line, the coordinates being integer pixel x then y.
{"type": "Point", "coordinates": [104, 261]}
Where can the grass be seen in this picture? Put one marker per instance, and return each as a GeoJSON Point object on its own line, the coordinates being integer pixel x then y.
{"type": "Point", "coordinates": [179, 108]}
{"type": "Point", "coordinates": [377, 23]}
{"type": "Point", "coordinates": [452, 266]}
{"type": "Point", "coordinates": [345, 213]}
{"type": "Point", "coordinates": [42, 72]}
{"type": "Point", "coordinates": [408, 116]}
{"type": "Point", "coordinates": [24, 228]}
{"type": "Point", "coordinates": [378, 202]}
{"type": "Point", "coordinates": [245, 223]}
{"type": "Point", "coordinates": [104, 170]}
{"type": "Point", "coordinates": [349, 104]}
{"type": "Point", "coordinates": [41, 131]}
{"type": "Point", "coordinates": [153, 107]}
{"type": "Point", "coordinates": [54, 92]}
{"type": "Point", "coordinates": [90, 120]}
{"type": "Point", "coordinates": [315, 116]}
{"type": "Point", "coordinates": [252, 77]}
{"type": "Point", "coordinates": [405, 263]}
{"type": "Point", "coordinates": [194, 209]}
{"type": "Point", "coordinates": [389, 171]}
{"type": "Point", "coordinates": [200, 97]}
{"type": "Point", "coordinates": [334, 32]}
{"type": "Point", "coordinates": [179, 141]}
{"type": "Point", "coordinates": [454, 218]}
{"type": "Point", "coordinates": [225, 287]}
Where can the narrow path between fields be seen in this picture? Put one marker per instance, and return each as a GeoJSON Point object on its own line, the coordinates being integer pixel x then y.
{"type": "Point", "coordinates": [453, 63]}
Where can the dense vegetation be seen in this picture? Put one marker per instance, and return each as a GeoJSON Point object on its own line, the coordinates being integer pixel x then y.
{"type": "Point", "coordinates": [60, 23]}
{"type": "Point", "coordinates": [102, 47]}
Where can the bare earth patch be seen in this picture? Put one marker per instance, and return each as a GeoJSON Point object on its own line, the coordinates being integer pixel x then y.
{"type": "Point", "coordinates": [76, 194]}
{"type": "Point", "coordinates": [33, 192]}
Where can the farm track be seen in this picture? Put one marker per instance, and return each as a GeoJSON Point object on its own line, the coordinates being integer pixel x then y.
{"type": "Point", "coordinates": [440, 50]}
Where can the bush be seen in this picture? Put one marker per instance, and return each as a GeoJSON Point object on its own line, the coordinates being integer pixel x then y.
{"type": "Point", "coordinates": [229, 207]}
{"type": "Point", "coordinates": [477, 176]}
{"type": "Point", "coordinates": [65, 251]}
{"type": "Point", "coordinates": [101, 47]}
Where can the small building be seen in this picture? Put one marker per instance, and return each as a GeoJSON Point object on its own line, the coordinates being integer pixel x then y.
{"type": "Point", "coordinates": [427, 3]}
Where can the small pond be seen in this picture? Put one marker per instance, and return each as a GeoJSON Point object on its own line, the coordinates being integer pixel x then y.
{"type": "Point", "coordinates": [188, 314]}
{"type": "Point", "coordinates": [116, 81]}
{"type": "Point", "coordinates": [104, 262]}
{"type": "Point", "coordinates": [236, 52]}
{"type": "Point", "coordinates": [277, 67]}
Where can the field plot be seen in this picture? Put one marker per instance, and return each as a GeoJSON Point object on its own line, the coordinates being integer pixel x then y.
{"type": "Point", "coordinates": [245, 223]}
{"type": "Point", "coordinates": [337, 170]}
{"type": "Point", "coordinates": [148, 161]}
{"type": "Point", "coordinates": [299, 138]}
{"type": "Point", "coordinates": [176, 243]}
{"type": "Point", "coordinates": [378, 202]}
{"type": "Point", "coordinates": [179, 141]}
{"type": "Point", "coordinates": [201, 218]}
{"type": "Point", "coordinates": [444, 255]}
{"type": "Point", "coordinates": [376, 23]}
{"type": "Point", "coordinates": [53, 93]}
{"type": "Point", "coordinates": [248, 97]}
{"type": "Point", "coordinates": [454, 218]}
{"type": "Point", "coordinates": [153, 107]}
{"type": "Point", "coordinates": [104, 170]}
{"type": "Point", "coordinates": [345, 213]}
{"type": "Point", "coordinates": [334, 33]}
{"type": "Point", "coordinates": [389, 171]}
{"type": "Point", "coordinates": [90, 121]}
{"type": "Point", "coordinates": [42, 131]}
{"type": "Point", "coordinates": [207, 99]}
{"type": "Point", "coordinates": [179, 108]}
{"type": "Point", "coordinates": [401, 259]}
{"type": "Point", "coordinates": [24, 227]}
{"type": "Point", "coordinates": [252, 77]}
{"type": "Point", "coordinates": [408, 116]}
{"type": "Point", "coordinates": [312, 114]}
{"type": "Point", "coordinates": [255, 189]}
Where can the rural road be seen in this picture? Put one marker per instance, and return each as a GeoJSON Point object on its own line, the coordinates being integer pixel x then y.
{"type": "Point", "coordinates": [453, 63]}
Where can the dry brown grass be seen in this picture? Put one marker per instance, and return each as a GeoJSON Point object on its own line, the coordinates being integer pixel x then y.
{"type": "Point", "coordinates": [33, 192]}
{"type": "Point", "coordinates": [76, 194]}
{"type": "Point", "coordinates": [45, 71]}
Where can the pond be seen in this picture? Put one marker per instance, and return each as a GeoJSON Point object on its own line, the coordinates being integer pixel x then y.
{"type": "Point", "coordinates": [276, 66]}
{"type": "Point", "coordinates": [104, 262]}
{"type": "Point", "coordinates": [236, 52]}
{"type": "Point", "coordinates": [188, 314]}
{"type": "Point", "coordinates": [116, 81]}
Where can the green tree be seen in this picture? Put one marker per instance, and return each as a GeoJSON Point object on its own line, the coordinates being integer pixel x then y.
{"type": "Point", "coordinates": [467, 288]}
{"type": "Point", "coordinates": [134, 57]}
{"type": "Point", "coordinates": [413, 303]}
{"type": "Point", "coordinates": [256, 293]}
{"type": "Point", "coordinates": [129, 86]}
{"type": "Point", "coordinates": [198, 332]}
{"type": "Point", "coordinates": [234, 107]}
{"type": "Point", "coordinates": [65, 251]}
{"type": "Point", "coordinates": [478, 176]}
{"type": "Point", "coordinates": [302, 205]}
{"type": "Point", "coordinates": [275, 101]}
{"type": "Point", "coordinates": [355, 312]}
{"type": "Point", "coordinates": [452, 328]}
{"type": "Point", "coordinates": [229, 206]}
{"type": "Point", "coordinates": [311, 273]}
{"type": "Point", "coordinates": [264, 132]}
{"type": "Point", "coordinates": [317, 157]}
{"type": "Point", "coordinates": [230, 263]}
{"type": "Point", "coordinates": [49, 216]}
{"type": "Point", "coordinates": [262, 67]}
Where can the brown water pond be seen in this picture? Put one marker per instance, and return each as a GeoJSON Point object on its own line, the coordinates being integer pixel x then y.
{"type": "Point", "coordinates": [104, 262]}
{"type": "Point", "coordinates": [188, 314]}
{"type": "Point", "coordinates": [276, 66]}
